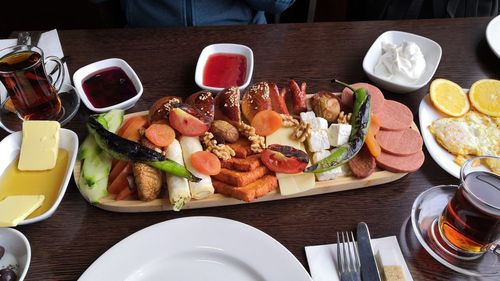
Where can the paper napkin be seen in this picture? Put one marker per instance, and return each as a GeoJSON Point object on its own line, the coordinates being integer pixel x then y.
{"type": "Point", "coordinates": [322, 259]}
{"type": "Point", "coordinates": [51, 46]}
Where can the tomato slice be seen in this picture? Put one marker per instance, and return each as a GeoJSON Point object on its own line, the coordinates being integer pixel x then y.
{"type": "Point", "coordinates": [186, 123]}
{"type": "Point", "coordinates": [284, 159]}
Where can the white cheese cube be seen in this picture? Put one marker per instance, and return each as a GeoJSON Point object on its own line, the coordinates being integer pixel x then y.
{"type": "Point", "coordinates": [320, 123]}
{"type": "Point", "coordinates": [319, 155]}
{"type": "Point", "coordinates": [338, 134]}
{"type": "Point", "coordinates": [331, 174]}
{"type": "Point", "coordinates": [308, 117]}
{"type": "Point", "coordinates": [318, 140]}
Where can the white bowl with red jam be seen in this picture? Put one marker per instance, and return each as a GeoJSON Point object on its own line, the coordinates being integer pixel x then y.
{"type": "Point", "coordinates": [108, 84]}
{"type": "Point", "coordinates": [225, 65]}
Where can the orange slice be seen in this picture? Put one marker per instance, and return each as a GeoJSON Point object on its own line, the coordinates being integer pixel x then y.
{"type": "Point", "coordinates": [484, 96]}
{"type": "Point", "coordinates": [448, 97]}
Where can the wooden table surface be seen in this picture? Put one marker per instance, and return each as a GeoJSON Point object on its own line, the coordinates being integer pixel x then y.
{"type": "Point", "coordinates": [67, 243]}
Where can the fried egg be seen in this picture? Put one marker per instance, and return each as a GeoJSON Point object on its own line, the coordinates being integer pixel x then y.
{"type": "Point", "coordinates": [473, 134]}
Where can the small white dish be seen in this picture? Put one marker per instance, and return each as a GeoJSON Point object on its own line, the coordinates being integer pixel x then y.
{"type": "Point", "coordinates": [10, 147]}
{"type": "Point", "coordinates": [493, 35]}
{"type": "Point", "coordinates": [83, 73]}
{"type": "Point", "coordinates": [430, 49]}
{"type": "Point", "coordinates": [228, 49]}
{"type": "Point", "coordinates": [197, 248]}
{"type": "Point", "coordinates": [16, 244]}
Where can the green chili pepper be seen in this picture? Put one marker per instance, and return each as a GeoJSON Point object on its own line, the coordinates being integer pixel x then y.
{"type": "Point", "coordinates": [360, 123]}
{"type": "Point", "coordinates": [124, 149]}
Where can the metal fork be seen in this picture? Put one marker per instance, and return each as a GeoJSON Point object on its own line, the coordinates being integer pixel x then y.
{"type": "Point", "coordinates": [348, 262]}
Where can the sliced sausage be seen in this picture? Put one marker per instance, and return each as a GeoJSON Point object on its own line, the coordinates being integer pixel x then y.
{"type": "Point", "coordinates": [400, 164]}
{"type": "Point", "coordinates": [395, 116]}
{"type": "Point", "coordinates": [363, 164]}
{"type": "Point", "coordinates": [377, 97]}
{"type": "Point", "coordinates": [401, 143]}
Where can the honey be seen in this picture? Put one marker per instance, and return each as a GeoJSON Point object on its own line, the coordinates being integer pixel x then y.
{"type": "Point", "coordinates": [47, 183]}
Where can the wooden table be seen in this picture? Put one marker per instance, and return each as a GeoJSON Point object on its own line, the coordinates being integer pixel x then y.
{"type": "Point", "coordinates": [64, 245]}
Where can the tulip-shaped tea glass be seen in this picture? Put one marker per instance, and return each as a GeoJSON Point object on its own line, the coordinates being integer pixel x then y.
{"type": "Point", "coordinates": [460, 225]}
{"type": "Point", "coordinates": [32, 93]}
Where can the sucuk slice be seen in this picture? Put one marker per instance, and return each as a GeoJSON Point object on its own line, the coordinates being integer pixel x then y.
{"type": "Point", "coordinates": [400, 164]}
{"type": "Point", "coordinates": [363, 164]}
{"type": "Point", "coordinates": [395, 116]}
{"type": "Point", "coordinates": [401, 143]}
{"type": "Point", "coordinates": [376, 94]}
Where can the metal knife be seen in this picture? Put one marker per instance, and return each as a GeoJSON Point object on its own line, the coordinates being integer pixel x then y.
{"type": "Point", "coordinates": [369, 270]}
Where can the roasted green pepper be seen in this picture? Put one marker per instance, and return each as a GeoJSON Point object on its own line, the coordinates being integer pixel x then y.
{"type": "Point", "coordinates": [360, 122]}
{"type": "Point", "coordinates": [123, 149]}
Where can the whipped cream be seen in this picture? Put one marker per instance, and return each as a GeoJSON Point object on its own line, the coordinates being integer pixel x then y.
{"type": "Point", "coordinates": [401, 63]}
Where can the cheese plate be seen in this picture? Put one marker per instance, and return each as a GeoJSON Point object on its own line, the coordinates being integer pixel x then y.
{"type": "Point", "coordinates": [341, 183]}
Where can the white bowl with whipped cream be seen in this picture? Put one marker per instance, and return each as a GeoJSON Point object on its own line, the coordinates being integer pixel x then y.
{"type": "Point", "coordinates": [402, 62]}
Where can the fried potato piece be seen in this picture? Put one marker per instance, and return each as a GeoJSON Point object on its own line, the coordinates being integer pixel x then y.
{"type": "Point", "coordinates": [241, 148]}
{"type": "Point", "coordinates": [241, 178]}
{"type": "Point", "coordinates": [242, 164]}
{"type": "Point", "coordinates": [248, 192]}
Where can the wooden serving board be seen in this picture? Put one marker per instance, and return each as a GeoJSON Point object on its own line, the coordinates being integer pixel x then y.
{"type": "Point", "coordinates": [339, 184]}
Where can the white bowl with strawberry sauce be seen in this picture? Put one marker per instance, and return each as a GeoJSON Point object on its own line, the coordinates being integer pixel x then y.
{"type": "Point", "coordinates": [224, 65]}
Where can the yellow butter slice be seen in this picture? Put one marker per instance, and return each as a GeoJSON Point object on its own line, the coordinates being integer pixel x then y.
{"type": "Point", "coordinates": [14, 209]}
{"type": "Point", "coordinates": [40, 145]}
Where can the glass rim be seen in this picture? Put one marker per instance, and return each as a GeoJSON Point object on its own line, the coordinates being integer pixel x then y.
{"type": "Point", "coordinates": [462, 179]}
{"type": "Point", "coordinates": [17, 48]}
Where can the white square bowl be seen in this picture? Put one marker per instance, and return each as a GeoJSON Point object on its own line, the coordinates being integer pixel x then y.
{"type": "Point", "coordinates": [10, 147]}
{"type": "Point", "coordinates": [228, 49]}
{"type": "Point", "coordinates": [83, 73]}
{"type": "Point", "coordinates": [430, 49]}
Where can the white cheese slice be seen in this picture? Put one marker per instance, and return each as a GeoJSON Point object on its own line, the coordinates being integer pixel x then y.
{"type": "Point", "coordinates": [295, 183]}
{"type": "Point", "coordinates": [291, 183]}
{"type": "Point", "coordinates": [338, 134]}
{"type": "Point", "coordinates": [283, 136]}
{"type": "Point", "coordinates": [40, 145]}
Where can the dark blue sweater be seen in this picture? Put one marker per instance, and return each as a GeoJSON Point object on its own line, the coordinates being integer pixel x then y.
{"type": "Point", "coordinates": [146, 13]}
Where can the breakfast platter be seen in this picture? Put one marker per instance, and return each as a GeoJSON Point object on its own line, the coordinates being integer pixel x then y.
{"type": "Point", "coordinates": [287, 184]}
{"type": "Point", "coordinates": [321, 187]}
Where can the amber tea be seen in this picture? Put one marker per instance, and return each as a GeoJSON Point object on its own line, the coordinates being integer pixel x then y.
{"type": "Point", "coordinates": [23, 74]}
{"type": "Point", "coordinates": [471, 220]}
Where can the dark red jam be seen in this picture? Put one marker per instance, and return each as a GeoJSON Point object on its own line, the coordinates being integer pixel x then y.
{"type": "Point", "coordinates": [108, 87]}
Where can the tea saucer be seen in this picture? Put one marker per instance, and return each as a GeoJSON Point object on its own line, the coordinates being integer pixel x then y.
{"type": "Point", "coordinates": [70, 102]}
{"type": "Point", "coordinates": [424, 215]}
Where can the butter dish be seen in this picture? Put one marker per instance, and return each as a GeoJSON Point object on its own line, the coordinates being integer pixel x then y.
{"type": "Point", "coordinates": [10, 149]}
{"type": "Point", "coordinates": [322, 259]}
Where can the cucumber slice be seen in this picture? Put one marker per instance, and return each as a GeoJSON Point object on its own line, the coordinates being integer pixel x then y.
{"type": "Point", "coordinates": [96, 167]}
{"type": "Point", "coordinates": [114, 119]}
{"type": "Point", "coordinates": [96, 192]}
{"type": "Point", "coordinates": [88, 147]}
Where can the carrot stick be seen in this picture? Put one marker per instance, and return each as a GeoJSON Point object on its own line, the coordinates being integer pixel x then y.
{"type": "Point", "coordinates": [116, 169]}
{"type": "Point", "coordinates": [120, 182]}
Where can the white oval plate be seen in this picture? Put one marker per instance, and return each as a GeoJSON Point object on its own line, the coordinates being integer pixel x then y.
{"type": "Point", "coordinates": [197, 248]}
{"type": "Point", "coordinates": [427, 114]}
{"type": "Point", "coordinates": [493, 35]}
{"type": "Point", "coordinates": [9, 151]}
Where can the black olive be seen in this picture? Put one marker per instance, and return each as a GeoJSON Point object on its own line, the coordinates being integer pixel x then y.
{"type": "Point", "coordinates": [2, 252]}
{"type": "Point", "coordinates": [7, 274]}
